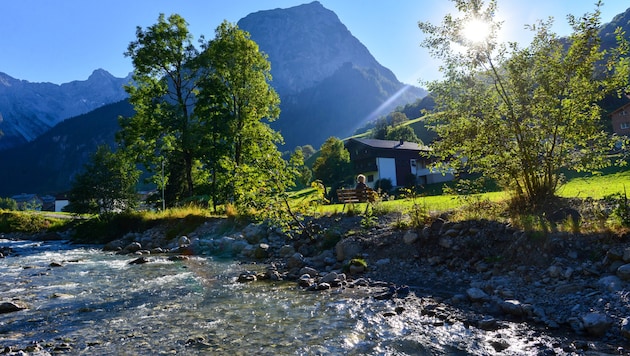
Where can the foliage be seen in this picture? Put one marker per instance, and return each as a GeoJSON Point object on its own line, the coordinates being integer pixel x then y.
{"type": "Point", "coordinates": [235, 104]}
{"type": "Point", "coordinates": [520, 116]}
{"type": "Point", "coordinates": [333, 166]}
{"type": "Point", "coordinates": [402, 133]}
{"type": "Point", "coordinates": [8, 204]}
{"type": "Point", "coordinates": [162, 135]}
{"type": "Point", "coordinates": [106, 185]}
{"type": "Point", "coordinates": [29, 222]}
{"type": "Point", "coordinates": [620, 214]}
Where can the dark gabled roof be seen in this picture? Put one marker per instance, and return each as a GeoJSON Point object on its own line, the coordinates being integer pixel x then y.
{"type": "Point", "coordinates": [387, 144]}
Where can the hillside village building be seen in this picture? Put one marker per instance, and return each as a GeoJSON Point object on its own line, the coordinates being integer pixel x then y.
{"type": "Point", "coordinates": [403, 163]}
{"type": "Point", "coordinates": [621, 120]}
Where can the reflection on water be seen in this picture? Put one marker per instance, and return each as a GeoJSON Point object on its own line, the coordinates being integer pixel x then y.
{"type": "Point", "coordinates": [96, 303]}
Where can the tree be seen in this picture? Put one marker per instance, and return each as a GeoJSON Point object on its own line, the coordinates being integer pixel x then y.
{"type": "Point", "coordinates": [8, 204]}
{"type": "Point", "coordinates": [163, 128]}
{"type": "Point", "coordinates": [332, 167]}
{"type": "Point", "coordinates": [402, 132]}
{"type": "Point", "coordinates": [235, 103]}
{"type": "Point", "coordinates": [522, 115]}
{"type": "Point", "coordinates": [106, 185]}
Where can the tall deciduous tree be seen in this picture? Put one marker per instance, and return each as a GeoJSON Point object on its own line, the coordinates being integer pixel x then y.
{"type": "Point", "coordinates": [163, 128]}
{"type": "Point", "coordinates": [235, 104]}
{"type": "Point", "coordinates": [332, 166]}
{"type": "Point", "coordinates": [521, 115]}
{"type": "Point", "coordinates": [107, 184]}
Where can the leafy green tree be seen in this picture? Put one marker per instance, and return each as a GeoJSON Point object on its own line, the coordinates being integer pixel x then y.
{"type": "Point", "coordinates": [402, 132]}
{"type": "Point", "coordinates": [235, 103]}
{"type": "Point", "coordinates": [521, 115]}
{"type": "Point", "coordinates": [106, 185]}
{"type": "Point", "coordinates": [333, 166]}
{"type": "Point", "coordinates": [8, 204]}
{"type": "Point", "coordinates": [163, 127]}
{"type": "Point", "coordinates": [304, 174]}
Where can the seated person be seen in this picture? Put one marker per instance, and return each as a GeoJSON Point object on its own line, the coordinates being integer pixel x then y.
{"type": "Point", "coordinates": [361, 183]}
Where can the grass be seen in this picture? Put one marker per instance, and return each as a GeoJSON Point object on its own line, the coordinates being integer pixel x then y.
{"type": "Point", "coordinates": [596, 186]}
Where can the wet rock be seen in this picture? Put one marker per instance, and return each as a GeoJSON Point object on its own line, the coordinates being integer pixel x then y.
{"type": "Point", "coordinates": [623, 272]}
{"type": "Point", "coordinates": [116, 245]}
{"type": "Point", "coordinates": [55, 264]}
{"type": "Point", "coordinates": [253, 233]}
{"type": "Point", "coordinates": [625, 328]}
{"type": "Point", "coordinates": [512, 307]}
{"type": "Point", "coordinates": [286, 251]}
{"type": "Point", "coordinates": [488, 323]}
{"type": "Point", "coordinates": [140, 261]}
{"type": "Point", "coordinates": [132, 247]}
{"type": "Point", "coordinates": [183, 241]}
{"type": "Point", "coordinates": [247, 276]}
{"type": "Point", "coordinates": [261, 251]}
{"type": "Point", "coordinates": [596, 324]}
{"type": "Point", "coordinates": [610, 283]}
{"type": "Point", "coordinates": [305, 281]}
{"type": "Point", "coordinates": [311, 272]}
{"type": "Point", "coordinates": [356, 269]}
{"type": "Point", "coordinates": [477, 295]}
{"type": "Point", "coordinates": [295, 261]}
{"type": "Point", "coordinates": [10, 307]}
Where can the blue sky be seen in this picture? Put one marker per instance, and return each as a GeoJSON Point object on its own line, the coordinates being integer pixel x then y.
{"type": "Point", "coordinates": [64, 40]}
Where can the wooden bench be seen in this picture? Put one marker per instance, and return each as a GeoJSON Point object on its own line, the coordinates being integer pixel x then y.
{"type": "Point", "coordinates": [353, 196]}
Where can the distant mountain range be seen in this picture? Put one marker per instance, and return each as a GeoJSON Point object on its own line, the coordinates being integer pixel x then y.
{"type": "Point", "coordinates": [28, 110]}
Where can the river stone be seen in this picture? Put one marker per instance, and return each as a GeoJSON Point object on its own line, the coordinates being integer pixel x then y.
{"type": "Point", "coordinates": [625, 328]}
{"type": "Point", "coordinates": [286, 251]}
{"type": "Point", "coordinates": [295, 261]}
{"type": "Point", "coordinates": [261, 251]}
{"type": "Point", "coordinates": [512, 307]}
{"type": "Point", "coordinates": [477, 295]}
{"type": "Point", "coordinates": [596, 324]}
{"type": "Point", "coordinates": [623, 272]}
{"type": "Point", "coordinates": [610, 283]}
{"type": "Point", "coordinates": [410, 237]}
{"type": "Point", "coordinates": [139, 261]}
{"type": "Point", "coordinates": [132, 247]}
{"type": "Point", "coordinates": [183, 241]}
{"type": "Point", "coordinates": [10, 307]}
{"type": "Point", "coordinates": [253, 233]}
{"type": "Point", "coordinates": [311, 272]}
{"type": "Point", "coordinates": [626, 254]}
{"type": "Point", "coordinates": [116, 245]}
{"type": "Point", "coordinates": [330, 278]}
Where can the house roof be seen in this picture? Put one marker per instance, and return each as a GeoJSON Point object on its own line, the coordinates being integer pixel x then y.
{"type": "Point", "coordinates": [387, 144]}
{"type": "Point", "coordinates": [623, 107]}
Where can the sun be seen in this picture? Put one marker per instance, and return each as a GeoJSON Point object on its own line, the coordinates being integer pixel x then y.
{"type": "Point", "coordinates": [476, 30]}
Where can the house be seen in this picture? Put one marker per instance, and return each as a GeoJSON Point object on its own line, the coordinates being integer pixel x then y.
{"type": "Point", "coordinates": [621, 120]}
{"type": "Point", "coordinates": [401, 162]}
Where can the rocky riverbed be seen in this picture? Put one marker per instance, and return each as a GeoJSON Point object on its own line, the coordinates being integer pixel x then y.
{"type": "Point", "coordinates": [483, 274]}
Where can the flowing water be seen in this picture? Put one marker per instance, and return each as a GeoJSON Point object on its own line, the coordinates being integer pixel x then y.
{"type": "Point", "coordinates": [96, 303]}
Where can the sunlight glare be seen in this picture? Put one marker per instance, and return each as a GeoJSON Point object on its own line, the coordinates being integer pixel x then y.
{"type": "Point", "coordinates": [476, 30]}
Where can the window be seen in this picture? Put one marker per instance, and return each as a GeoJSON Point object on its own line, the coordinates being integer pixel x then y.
{"type": "Point", "coordinates": [625, 125]}
{"type": "Point", "coordinates": [370, 178]}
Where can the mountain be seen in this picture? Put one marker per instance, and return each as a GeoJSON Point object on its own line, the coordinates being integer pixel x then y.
{"type": "Point", "coordinates": [329, 83]}
{"type": "Point", "coordinates": [27, 110]}
{"type": "Point", "coordinates": [47, 164]}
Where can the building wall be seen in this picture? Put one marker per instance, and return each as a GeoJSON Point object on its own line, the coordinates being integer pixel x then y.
{"type": "Point", "coordinates": [621, 120]}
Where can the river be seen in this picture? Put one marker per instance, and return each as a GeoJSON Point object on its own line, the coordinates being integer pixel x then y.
{"type": "Point", "coordinates": [96, 303]}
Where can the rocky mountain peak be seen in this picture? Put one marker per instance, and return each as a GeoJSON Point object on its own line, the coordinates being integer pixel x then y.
{"type": "Point", "coordinates": [305, 44]}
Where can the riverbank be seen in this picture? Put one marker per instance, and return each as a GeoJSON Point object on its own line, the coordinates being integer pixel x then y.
{"type": "Point", "coordinates": [482, 274]}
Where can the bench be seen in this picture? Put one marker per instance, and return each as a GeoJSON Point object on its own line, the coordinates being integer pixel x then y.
{"type": "Point", "coordinates": [352, 196]}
